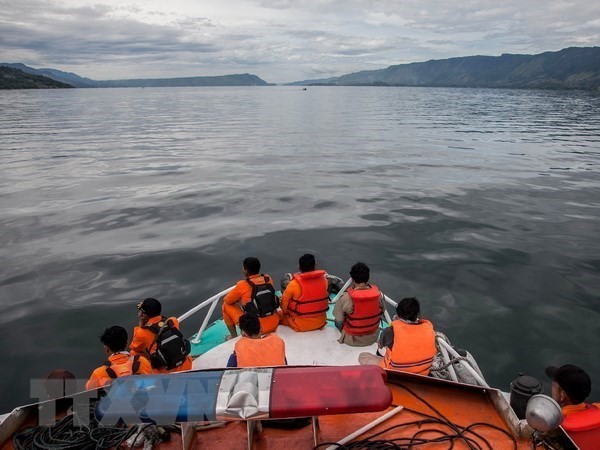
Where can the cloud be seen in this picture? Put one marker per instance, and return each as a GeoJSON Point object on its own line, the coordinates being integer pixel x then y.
{"type": "Point", "coordinates": [280, 40]}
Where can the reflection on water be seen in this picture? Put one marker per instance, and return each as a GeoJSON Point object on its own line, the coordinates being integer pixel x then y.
{"type": "Point", "coordinates": [484, 203]}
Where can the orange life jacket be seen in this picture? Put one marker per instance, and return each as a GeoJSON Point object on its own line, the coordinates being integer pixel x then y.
{"type": "Point", "coordinates": [315, 298]}
{"type": "Point", "coordinates": [583, 427]}
{"type": "Point", "coordinates": [129, 367]}
{"type": "Point", "coordinates": [367, 311]}
{"type": "Point", "coordinates": [582, 420]}
{"type": "Point", "coordinates": [267, 351]}
{"type": "Point", "coordinates": [413, 349]}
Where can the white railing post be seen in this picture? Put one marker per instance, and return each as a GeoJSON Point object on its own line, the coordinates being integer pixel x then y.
{"type": "Point", "coordinates": [465, 364]}
{"type": "Point", "coordinates": [197, 308]}
{"type": "Point", "coordinates": [446, 358]}
{"type": "Point", "coordinates": [342, 290]}
{"type": "Point", "coordinates": [198, 336]}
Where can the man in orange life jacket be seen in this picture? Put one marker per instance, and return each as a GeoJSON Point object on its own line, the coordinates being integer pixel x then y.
{"type": "Point", "coordinates": [254, 349]}
{"type": "Point", "coordinates": [144, 335]}
{"type": "Point", "coordinates": [120, 363]}
{"type": "Point", "coordinates": [241, 295]}
{"type": "Point", "coordinates": [571, 385]}
{"type": "Point", "coordinates": [409, 341]}
{"type": "Point", "coordinates": [358, 311]}
{"type": "Point", "coordinates": [305, 301]}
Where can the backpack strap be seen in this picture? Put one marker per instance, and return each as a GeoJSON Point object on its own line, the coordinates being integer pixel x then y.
{"type": "Point", "coordinates": [109, 370]}
{"type": "Point", "coordinates": [250, 282]}
{"type": "Point", "coordinates": [155, 328]}
{"type": "Point", "coordinates": [135, 367]}
{"type": "Point", "coordinates": [158, 330]}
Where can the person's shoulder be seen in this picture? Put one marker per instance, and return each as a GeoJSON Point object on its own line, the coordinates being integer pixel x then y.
{"type": "Point", "coordinates": [241, 284]}
{"type": "Point", "coordinates": [277, 339]}
{"type": "Point", "coordinates": [293, 284]}
{"type": "Point", "coordinates": [99, 372]}
{"type": "Point", "coordinates": [345, 297]}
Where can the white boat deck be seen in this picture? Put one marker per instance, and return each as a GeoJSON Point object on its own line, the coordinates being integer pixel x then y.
{"type": "Point", "coordinates": [318, 347]}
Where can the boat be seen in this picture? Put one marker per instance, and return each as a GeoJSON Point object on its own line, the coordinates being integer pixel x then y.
{"type": "Point", "coordinates": [322, 399]}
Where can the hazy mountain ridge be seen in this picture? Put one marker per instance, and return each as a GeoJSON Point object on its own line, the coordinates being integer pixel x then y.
{"type": "Point", "coordinates": [244, 79]}
{"type": "Point", "coordinates": [78, 81]}
{"type": "Point", "coordinates": [570, 68]}
{"type": "Point", "coordinates": [12, 78]}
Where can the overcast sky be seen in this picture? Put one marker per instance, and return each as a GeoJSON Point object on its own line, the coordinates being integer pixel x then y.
{"type": "Point", "coordinates": [280, 40]}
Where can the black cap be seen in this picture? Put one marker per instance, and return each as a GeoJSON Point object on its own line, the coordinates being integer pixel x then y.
{"type": "Point", "coordinates": [150, 306]}
{"type": "Point", "coordinates": [573, 380]}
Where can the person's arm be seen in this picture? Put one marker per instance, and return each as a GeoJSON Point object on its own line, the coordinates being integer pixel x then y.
{"type": "Point", "coordinates": [96, 378]}
{"type": "Point", "coordinates": [234, 295]}
{"type": "Point", "coordinates": [386, 338]}
{"type": "Point", "coordinates": [291, 291]}
{"type": "Point", "coordinates": [342, 307]}
{"type": "Point", "coordinates": [138, 343]}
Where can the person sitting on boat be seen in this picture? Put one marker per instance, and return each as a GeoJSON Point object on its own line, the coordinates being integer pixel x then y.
{"type": "Point", "coordinates": [358, 311]}
{"type": "Point", "coordinates": [57, 385]}
{"type": "Point", "coordinates": [305, 301]}
{"type": "Point", "coordinates": [146, 335]}
{"type": "Point", "coordinates": [120, 363]}
{"type": "Point", "coordinates": [409, 341]}
{"type": "Point", "coordinates": [571, 385]}
{"type": "Point", "coordinates": [255, 292]}
{"type": "Point", "coordinates": [254, 349]}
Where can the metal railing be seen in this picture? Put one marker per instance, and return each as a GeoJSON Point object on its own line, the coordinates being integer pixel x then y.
{"type": "Point", "coordinates": [213, 301]}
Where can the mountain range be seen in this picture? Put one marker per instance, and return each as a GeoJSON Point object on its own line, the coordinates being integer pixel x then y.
{"type": "Point", "coordinates": [75, 80]}
{"type": "Point", "coordinates": [11, 78]}
{"type": "Point", "coordinates": [570, 68]}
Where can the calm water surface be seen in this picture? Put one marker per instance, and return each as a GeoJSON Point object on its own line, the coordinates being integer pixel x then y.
{"type": "Point", "coordinates": [483, 203]}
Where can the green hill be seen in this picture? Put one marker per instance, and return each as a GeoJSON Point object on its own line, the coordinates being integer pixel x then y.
{"type": "Point", "coordinates": [17, 79]}
{"type": "Point", "coordinates": [570, 68]}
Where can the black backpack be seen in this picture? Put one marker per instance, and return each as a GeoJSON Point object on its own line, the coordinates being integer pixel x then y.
{"type": "Point", "coordinates": [171, 347]}
{"type": "Point", "coordinates": [263, 300]}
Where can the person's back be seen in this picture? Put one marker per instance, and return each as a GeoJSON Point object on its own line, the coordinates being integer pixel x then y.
{"type": "Point", "coordinates": [305, 301]}
{"type": "Point", "coordinates": [254, 349]}
{"type": "Point", "coordinates": [145, 335]}
{"type": "Point", "coordinates": [413, 347]}
{"type": "Point", "coordinates": [571, 385]}
{"type": "Point", "coordinates": [120, 363]}
{"type": "Point", "coordinates": [358, 311]}
{"type": "Point", "coordinates": [409, 341]}
{"type": "Point", "coordinates": [254, 287]}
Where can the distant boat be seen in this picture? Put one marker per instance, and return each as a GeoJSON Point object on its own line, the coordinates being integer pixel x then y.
{"type": "Point", "coordinates": [304, 89]}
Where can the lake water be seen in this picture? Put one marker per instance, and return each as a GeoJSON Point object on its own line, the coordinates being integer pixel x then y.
{"type": "Point", "coordinates": [483, 203]}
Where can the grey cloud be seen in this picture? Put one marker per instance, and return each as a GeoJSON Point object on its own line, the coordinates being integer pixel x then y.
{"type": "Point", "coordinates": [86, 34]}
{"type": "Point", "coordinates": [288, 37]}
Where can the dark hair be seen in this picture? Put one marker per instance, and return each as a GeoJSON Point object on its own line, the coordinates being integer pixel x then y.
{"type": "Point", "coordinates": [56, 385]}
{"type": "Point", "coordinates": [408, 309]}
{"type": "Point", "coordinates": [360, 272]}
{"type": "Point", "coordinates": [252, 265]}
{"type": "Point", "coordinates": [307, 263]}
{"type": "Point", "coordinates": [250, 324]}
{"type": "Point", "coordinates": [150, 306]}
{"type": "Point", "coordinates": [115, 338]}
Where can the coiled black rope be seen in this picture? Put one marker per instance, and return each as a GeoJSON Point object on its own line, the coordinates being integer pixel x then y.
{"type": "Point", "coordinates": [452, 434]}
{"type": "Point", "coordinates": [66, 434]}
